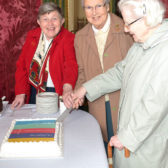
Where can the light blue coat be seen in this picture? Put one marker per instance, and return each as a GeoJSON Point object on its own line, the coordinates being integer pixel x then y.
{"type": "Point", "coordinates": [143, 112]}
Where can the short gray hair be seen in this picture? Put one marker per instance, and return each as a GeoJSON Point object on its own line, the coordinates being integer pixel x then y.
{"type": "Point", "coordinates": [106, 1]}
{"type": "Point", "coordinates": [48, 7]}
{"type": "Point", "coordinates": [153, 10]}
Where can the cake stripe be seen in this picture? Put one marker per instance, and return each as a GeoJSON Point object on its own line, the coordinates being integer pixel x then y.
{"type": "Point", "coordinates": [34, 126]}
{"type": "Point", "coordinates": [31, 139]}
{"type": "Point", "coordinates": [32, 135]}
{"type": "Point", "coordinates": [33, 130]}
{"type": "Point", "coordinates": [35, 122]}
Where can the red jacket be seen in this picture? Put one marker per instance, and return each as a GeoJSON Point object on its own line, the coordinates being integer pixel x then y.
{"type": "Point", "coordinates": [62, 64]}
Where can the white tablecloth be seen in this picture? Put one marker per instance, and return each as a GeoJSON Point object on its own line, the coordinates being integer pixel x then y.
{"type": "Point", "coordinates": [83, 144]}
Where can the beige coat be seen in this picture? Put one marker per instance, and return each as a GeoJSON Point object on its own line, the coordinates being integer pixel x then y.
{"type": "Point", "coordinates": [116, 47]}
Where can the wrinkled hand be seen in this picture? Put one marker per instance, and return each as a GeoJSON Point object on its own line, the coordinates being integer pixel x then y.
{"type": "Point", "coordinates": [114, 141]}
{"type": "Point", "coordinates": [18, 102]}
{"type": "Point", "coordinates": [78, 102]}
{"type": "Point", "coordinates": [67, 98]}
{"type": "Point", "coordinates": [78, 97]}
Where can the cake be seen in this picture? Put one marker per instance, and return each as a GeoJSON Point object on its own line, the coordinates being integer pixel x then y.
{"type": "Point", "coordinates": [33, 138]}
{"type": "Point", "coordinates": [47, 102]}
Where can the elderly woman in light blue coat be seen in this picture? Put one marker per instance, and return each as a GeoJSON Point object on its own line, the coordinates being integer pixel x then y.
{"type": "Point", "coordinates": [143, 79]}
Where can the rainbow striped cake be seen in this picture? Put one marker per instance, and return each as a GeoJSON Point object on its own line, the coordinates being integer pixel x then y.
{"type": "Point", "coordinates": [33, 138]}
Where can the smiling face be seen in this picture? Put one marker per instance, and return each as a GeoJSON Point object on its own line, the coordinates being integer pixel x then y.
{"type": "Point", "coordinates": [50, 24]}
{"type": "Point", "coordinates": [96, 12]}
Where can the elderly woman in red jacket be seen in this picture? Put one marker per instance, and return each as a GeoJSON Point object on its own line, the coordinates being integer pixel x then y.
{"type": "Point", "coordinates": [47, 61]}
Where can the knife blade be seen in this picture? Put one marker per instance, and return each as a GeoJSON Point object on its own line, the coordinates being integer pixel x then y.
{"type": "Point", "coordinates": [62, 117]}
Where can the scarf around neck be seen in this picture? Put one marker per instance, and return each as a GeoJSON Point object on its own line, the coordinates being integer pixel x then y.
{"type": "Point", "coordinates": [39, 67]}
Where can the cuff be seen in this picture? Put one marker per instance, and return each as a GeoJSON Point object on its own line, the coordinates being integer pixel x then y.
{"type": "Point", "coordinates": [127, 138]}
{"type": "Point", "coordinates": [92, 90]}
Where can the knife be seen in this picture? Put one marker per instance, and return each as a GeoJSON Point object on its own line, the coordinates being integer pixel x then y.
{"type": "Point", "coordinates": [63, 115]}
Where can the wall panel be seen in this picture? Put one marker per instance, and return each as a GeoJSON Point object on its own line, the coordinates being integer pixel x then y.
{"type": "Point", "coordinates": [16, 19]}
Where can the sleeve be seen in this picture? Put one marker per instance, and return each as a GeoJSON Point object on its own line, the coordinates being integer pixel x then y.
{"type": "Point", "coordinates": [152, 109]}
{"type": "Point", "coordinates": [21, 74]}
{"type": "Point", "coordinates": [70, 72]}
{"type": "Point", "coordinates": [108, 82]}
{"type": "Point", "coordinates": [81, 73]}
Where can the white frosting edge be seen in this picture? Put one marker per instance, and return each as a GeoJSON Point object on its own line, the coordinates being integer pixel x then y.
{"type": "Point", "coordinates": [33, 149]}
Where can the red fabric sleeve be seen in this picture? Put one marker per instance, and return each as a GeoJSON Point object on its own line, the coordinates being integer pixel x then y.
{"type": "Point", "coordinates": [70, 72]}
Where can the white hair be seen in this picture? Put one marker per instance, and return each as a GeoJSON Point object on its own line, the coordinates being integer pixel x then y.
{"type": "Point", "coordinates": [153, 10]}
{"type": "Point", "coordinates": [106, 1]}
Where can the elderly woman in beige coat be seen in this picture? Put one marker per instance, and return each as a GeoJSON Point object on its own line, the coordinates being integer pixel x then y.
{"type": "Point", "coordinates": [99, 45]}
{"type": "Point", "coordinates": [143, 79]}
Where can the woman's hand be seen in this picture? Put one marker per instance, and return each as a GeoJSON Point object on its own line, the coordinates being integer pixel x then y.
{"type": "Point", "coordinates": [78, 97]}
{"type": "Point", "coordinates": [114, 141]}
{"type": "Point", "coordinates": [66, 96]}
{"type": "Point", "coordinates": [18, 102]}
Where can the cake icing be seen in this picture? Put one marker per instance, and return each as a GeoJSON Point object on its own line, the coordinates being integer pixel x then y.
{"type": "Point", "coordinates": [33, 138]}
{"type": "Point", "coordinates": [1, 105]}
{"type": "Point", "coordinates": [47, 102]}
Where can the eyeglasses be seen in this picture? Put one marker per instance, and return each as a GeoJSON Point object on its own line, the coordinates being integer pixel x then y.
{"type": "Point", "coordinates": [127, 25]}
{"type": "Point", "coordinates": [97, 8]}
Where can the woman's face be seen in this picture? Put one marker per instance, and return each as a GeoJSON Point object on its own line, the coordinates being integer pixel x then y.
{"type": "Point", "coordinates": [50, 24]}
{"type": "Point", "coordinates": [96, 12]}
{"type": "Point", "coordinates": [135, 25]}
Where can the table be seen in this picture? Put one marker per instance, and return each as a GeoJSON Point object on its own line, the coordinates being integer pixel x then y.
{"type": "Point", "coordinates": [83, 143]}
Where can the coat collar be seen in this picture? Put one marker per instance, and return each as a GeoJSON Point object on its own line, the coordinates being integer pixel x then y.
{"type": "Point", "coordinates": [160, 35]}
{"type": "Point", "coordinates": [116, 27]}
{"type": "Point", "coordinates": [91, 39]}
